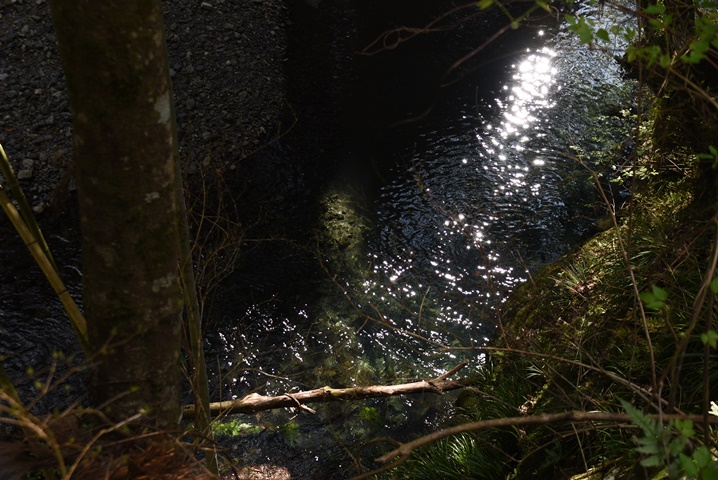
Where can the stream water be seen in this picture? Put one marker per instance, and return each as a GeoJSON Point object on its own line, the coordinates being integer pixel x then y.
{"type": "Point", "coordinates": [447, 199]}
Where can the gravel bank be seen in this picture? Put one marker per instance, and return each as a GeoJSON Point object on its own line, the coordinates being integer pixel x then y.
{"type": "Point", "coordinates": [226, 59]}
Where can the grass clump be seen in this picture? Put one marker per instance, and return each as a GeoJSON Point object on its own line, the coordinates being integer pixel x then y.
{"type": "Point", "coordinates": [622, 318]}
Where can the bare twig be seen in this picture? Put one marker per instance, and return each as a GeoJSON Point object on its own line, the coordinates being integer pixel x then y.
{"type": "Point", "coordinates": [401, 453]}
{"type": "Point", "coordinates": [253, 402]}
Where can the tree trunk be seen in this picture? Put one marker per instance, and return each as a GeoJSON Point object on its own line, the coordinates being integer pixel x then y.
{"type": "Point", "coordinates": [117, 73]}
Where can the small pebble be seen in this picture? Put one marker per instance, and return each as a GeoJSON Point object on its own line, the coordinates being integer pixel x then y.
{"type": "Point", "coordinates": [24, 174]}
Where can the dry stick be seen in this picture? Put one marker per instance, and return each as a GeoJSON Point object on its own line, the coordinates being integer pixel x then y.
{"type": "Point", "coordinates": [253, 402]}
{"type": "Point", "coordinates": [30, 423]}
{"type": "Point", "coordinates": [405, 449]}
{"type": "Point", "coordinates": [94, 440]}
{"type": "Point", "coordinates": [193, 319]}
{"type": "Point", "coordinates": [430, 27]}
{"type": "Point", "coordinates": [76, 317]}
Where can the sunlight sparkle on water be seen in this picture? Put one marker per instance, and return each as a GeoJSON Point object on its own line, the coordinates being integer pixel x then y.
{"type": "Point", "coordinates": [458, 250]}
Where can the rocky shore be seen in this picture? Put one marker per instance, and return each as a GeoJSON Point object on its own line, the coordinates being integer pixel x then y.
{"type": "Point", "coordinates": [227, 66]}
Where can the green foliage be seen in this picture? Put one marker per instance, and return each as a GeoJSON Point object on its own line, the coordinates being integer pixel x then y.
{"type": "Point", "coordinates": [713, 155]}
{"type": "Point", "coordinates": [485, 4]}
{"type": "Point", "coordinates": [461, 457]}
{"type": "Point", "coordinates": [707, 36]}
{"type": "Point", "coordinates": [370, 415]}
{"type": "Point", "coordinates": [659, 19]}
{"type": "Point", "coordinates": [655, 299]}
{"type": "Point", "coordinates": [290, 431]}
{"type": "Point", "coordinates": [583, 27]}
{"type": "Point", "coordinates": [672, 446]}
{"type": "Point", "coordinates": [709, 338]}
{"type": "Point", "coordinates": [235, 428]}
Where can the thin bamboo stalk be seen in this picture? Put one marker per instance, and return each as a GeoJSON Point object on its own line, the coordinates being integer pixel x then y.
{"type": "Point", "coordinates": [25, 209]}
{"type": "Point", "coordinates": [7, 386]}
{"type": "Point", "coordinates": [77, 319]}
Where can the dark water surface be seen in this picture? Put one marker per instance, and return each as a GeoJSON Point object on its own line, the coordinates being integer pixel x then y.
{"type": "Point", "coordinates": [447, 198]}
{"type": "Point", "coordinates": [451, 187]}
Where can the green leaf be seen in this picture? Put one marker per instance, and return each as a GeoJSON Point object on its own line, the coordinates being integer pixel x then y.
{"type": "Point", "coordinates": [676, 446]}
{"type": "Point", "coordinates": [484, 4]}
{"type": "Point", "coordinates": [631, 53]}
{"type": "Point", "coordinates": [710, 473]}
{"type": "Point", "coordinates": [693, 57]}
{"type": "Point", "coordinates": [603, 34]}
{"type": "Point", "coordinates": [650, 448]}
{"type": "Point", "coordinates": [652, 52]}
{"type": "Point", "coordinates": [688, 465]}
{"type": "Point", "coordinates": [710, 338]}
{"type": "Point", "coordinates": [649, 426]}
{"type": "Point", "coordinates": [702, 456]}
{"type": "Point", "coordinates": [685, 427]}
{"type": "Point", "coordinates": [585, 34]}
{"type": "Point", "coordinates": [655, 299]}
{"type": "Point", "coordinates": [581, 27]}
{"type": "Point", "coordinates": [652, 461]}
{"type": "Point", "coordinates": [656, 9]}
{"type": "Point", "coordinates": [656, 23]}
{"type": "Point", "coordinates": [713, 153]}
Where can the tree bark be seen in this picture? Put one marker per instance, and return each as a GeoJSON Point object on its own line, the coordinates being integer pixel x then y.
{"type": "Point", "coordinates": [115, 63]}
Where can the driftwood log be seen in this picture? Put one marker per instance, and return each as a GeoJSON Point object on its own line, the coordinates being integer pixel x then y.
{"type": "Point", "coordinates": [253, 402]}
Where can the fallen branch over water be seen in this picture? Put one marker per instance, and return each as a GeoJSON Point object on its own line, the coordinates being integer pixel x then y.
{"type": "Point", "coordinates": [253, 402]}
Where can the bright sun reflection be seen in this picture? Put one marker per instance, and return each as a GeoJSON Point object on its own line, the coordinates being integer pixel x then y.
{"type": "Point", "coordinates": [466, 259]}
{"type": "Point", "coordinates": [529, 92]}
